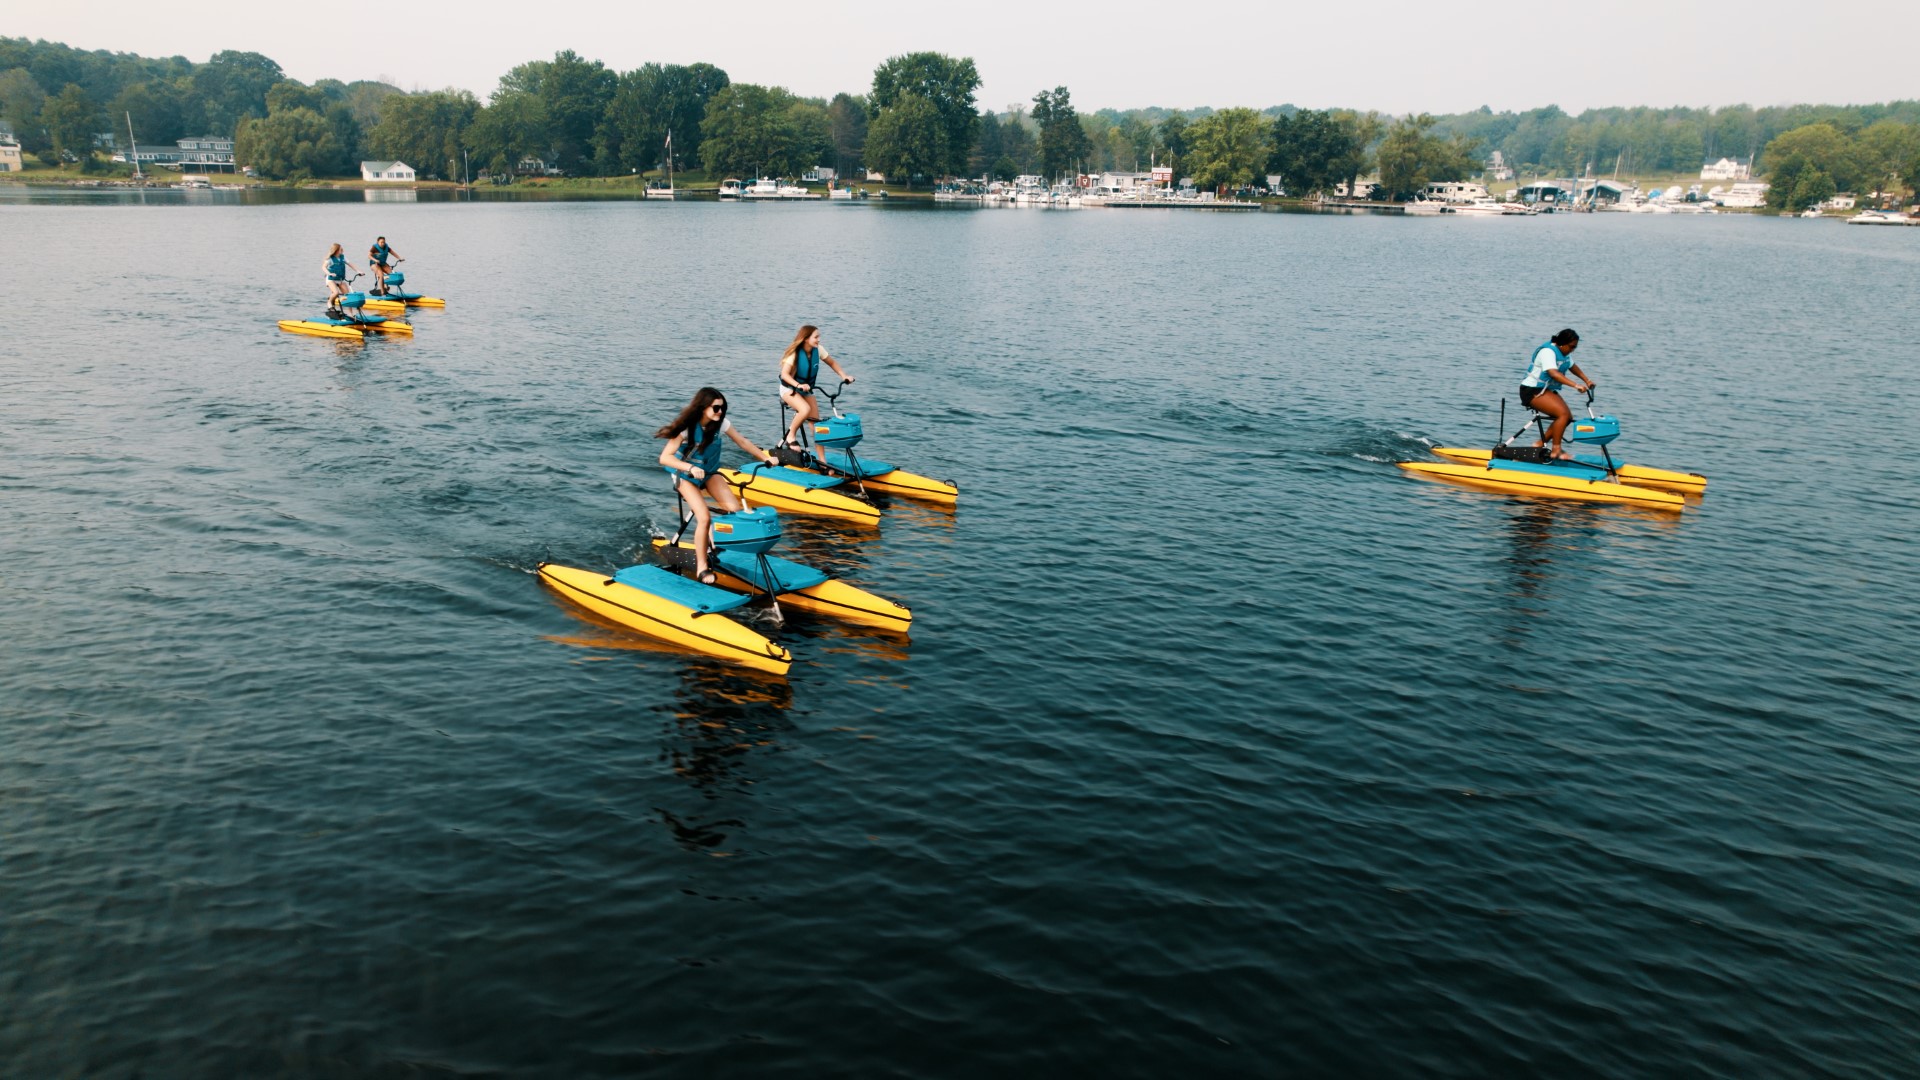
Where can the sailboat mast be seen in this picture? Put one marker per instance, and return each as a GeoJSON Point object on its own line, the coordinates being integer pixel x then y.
{"type": "Point", "coordinates": [133, 148]}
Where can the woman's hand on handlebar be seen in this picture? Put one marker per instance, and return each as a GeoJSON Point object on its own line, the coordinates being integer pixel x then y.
{"type": "Point", "coordinates": [699, 474]}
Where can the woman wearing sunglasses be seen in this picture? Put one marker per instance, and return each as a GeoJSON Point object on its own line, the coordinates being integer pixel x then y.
{"type": "Point", "coordinates": [692, 458]}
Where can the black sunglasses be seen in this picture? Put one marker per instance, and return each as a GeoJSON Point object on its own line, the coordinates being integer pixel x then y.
{"type": "Point", "coordinates": [721, 405]}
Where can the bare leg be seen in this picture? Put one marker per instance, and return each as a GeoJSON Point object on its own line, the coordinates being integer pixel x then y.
{"type": "Point", "coordinates": [702, 524]}
{"type": "Point", "coordinates": [1553, 405]}
{"type": "Point", "coordinates": [804, 411]}
{"type": "Point", "coordinates": [722, 493]}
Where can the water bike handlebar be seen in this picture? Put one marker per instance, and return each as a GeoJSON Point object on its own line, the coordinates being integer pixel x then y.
{"type": "Point", "coordinates": [751, 471]}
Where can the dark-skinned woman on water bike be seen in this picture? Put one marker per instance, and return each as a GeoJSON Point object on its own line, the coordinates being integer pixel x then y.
{"type": "Point", "coordinates": [1539, 388]}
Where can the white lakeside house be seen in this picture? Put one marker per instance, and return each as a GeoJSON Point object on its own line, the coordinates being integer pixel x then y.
{"type": "Point", "coordinates": [1726, 169]}
{"type": "Point", "coordinates": [386, 172]}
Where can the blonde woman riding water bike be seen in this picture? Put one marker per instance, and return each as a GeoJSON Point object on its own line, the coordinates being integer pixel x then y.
{"type": "Point", "coordinates": [799, 377]}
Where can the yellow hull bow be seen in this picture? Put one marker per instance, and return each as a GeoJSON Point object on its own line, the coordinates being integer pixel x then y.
{"type": "Point", "coordinates": [1515, 482]}
{"type": "Point", "coordinates": [1638, 475]}
{"type": "Point", "coordinates": [710, 634]}
{"type": "Point", "coordinates": [320, 329]}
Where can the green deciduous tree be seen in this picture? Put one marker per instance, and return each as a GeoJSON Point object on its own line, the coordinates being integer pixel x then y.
{"type": "Point", "coordinates": [1889, 151]}
{"type": "Point", "coordinates": [1172, 133]}
{"type": "Point", "coordinates": [1135, 136]}
{"type": "Point", "coordinates": [287, 95]}
{"type": "Point", "coordinates": [72, 118]}
{"type": "Point", "coordinates": [810, 127]}
{"type": "Point", "coordinates": [907, 140]}
{"type": "Point", "coordinates": [427, 131]}
{"type": "Point", "coordinates": [21, 100]}
{"type": "Point", "coordinates": [1063, 142]}
{"type": "Point", "coordinates": [750, 130]}
{"type": "Point", "coordinates": [1229, 147]}
{"type": "Point", "coordinates": [509, 130]}
{"type": "Point", "coordinates": [945, 82]}
{"type": "Point", "coordinates": [574, 95]}
{"type": "Point", "coordinates": [848, 116]}
{"type": "Point", "coordinates": [1796, 182]}
{"type": "Point", "coordinates": [364, 99]}
{"type": "Point", "coordinates": [232, 85]}
{"type": "Point", "coordinates": [290, 144]}
{"type": "Point", "coordinates": [655, 100]}
{"type": "Point", "coordinates": [1310, 151]}
{"type": "Point", "coordinates": [1413, 156]}
{"type": "Point", "coordinates": [155, 109]}
{"type": "Point", "coordinates": [1823, 146]}
{"type": "Point", "coordinates": [1363, 129]}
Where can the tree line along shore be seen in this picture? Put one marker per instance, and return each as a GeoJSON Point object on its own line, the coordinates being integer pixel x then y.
{"type": "Point", "coordinates": [574, 118]}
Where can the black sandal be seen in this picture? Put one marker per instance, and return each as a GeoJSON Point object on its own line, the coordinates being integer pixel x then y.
{"type": "Point", "coordinates": [705, 577]}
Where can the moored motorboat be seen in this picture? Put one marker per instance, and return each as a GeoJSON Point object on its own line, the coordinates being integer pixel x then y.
{"type": "Point", "coordinates": [1882, 217]}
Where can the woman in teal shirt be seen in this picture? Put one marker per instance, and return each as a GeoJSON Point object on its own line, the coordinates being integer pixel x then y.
{"type": "Point", "coordinates": [1539, 386]}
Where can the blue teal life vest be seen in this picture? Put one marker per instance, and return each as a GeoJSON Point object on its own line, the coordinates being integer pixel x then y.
{"type": "Point", "coordinates": [337, 268]}
{"type": "Point", "coordinates": [1538, 378]}
{"type": "Point", "coordinates": [380, 253]}
{"type": "Point", "coordinates": [806, 366]}
{"type": "Point", "coordinates": [705, 455]}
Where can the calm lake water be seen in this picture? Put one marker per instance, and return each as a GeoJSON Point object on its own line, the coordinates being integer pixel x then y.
{"type": "Point", "coordinates": [1220, 745]}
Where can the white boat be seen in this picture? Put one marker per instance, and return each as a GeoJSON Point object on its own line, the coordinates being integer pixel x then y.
{"type": "Point", "coordinates": [1881, 217]}
{"type": "Point", "coordinates": [1464, 191]}
{"type": "Point", "coordinates": [1812, 211]}
{"type": "Point", "coordinates": [1749, 196]}
{"type": "Point", "coordinates": [1420, 204]}
{"type": "Point", "coordinates": [730, 189]}
{"type": "Point", "coordinates": [659, 193]}
{"type": "Point", "coordinates": [761, 189]}
{"type": "Point", "coordinates": [196, 181]}
{"type": "Point", "coordinates": [795, 191]}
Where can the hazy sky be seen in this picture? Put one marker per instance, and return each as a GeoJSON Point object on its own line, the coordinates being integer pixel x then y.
{"type": "Point", "coordinates": [1391, 55]}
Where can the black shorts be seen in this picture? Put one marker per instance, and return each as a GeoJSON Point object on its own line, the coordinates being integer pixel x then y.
{"type": "Point", "coordinates": [1528, 393]}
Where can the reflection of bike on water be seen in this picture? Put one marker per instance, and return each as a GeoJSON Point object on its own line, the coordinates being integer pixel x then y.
{"type": "Point", "coordinates": [720, 719]}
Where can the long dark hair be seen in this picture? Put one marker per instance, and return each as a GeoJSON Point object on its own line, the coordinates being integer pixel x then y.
{"type": "Point", "coordinates": [693, 418]}
{"type": "Point", "coordinates": [800, 339]}
{"type": "Point", "coordinates": [1566, 337]}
